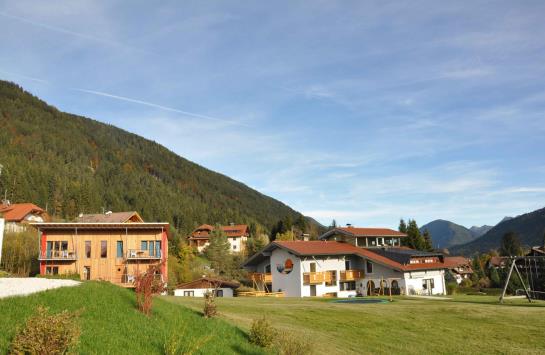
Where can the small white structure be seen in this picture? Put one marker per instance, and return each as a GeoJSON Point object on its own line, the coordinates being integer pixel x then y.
{"type": "Point", "coordinates": [202, 286]}
{"type": "Point", "coordinates": [237, 236]}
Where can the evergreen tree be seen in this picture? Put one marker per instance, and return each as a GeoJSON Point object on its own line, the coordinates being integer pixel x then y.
{"type": "Point", "coordinates": [510, 245]}
{"type": "Point", "coordinates": [402, 226]}
{"type": "Point", "coordinates": [286, 236]}
{"type": "Point", "coordinates": [495, 278]}
{"type": "Point", "coordinates": [428, 245]}
{"type": "Point", "coordinates": [218, 252]}
{"type": "Point", "coordinates": [333, 224]}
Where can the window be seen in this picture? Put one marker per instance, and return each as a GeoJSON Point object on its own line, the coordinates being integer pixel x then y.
{"type": "Point", "coordinates": [372, 241]}
{"type": "Point", "coordinates": [189, 293]}
{"type": "Point", "coordinates": [88, 249]}
{"type": "Point", "coordinates": [158, 248]}
{"type": "Point", "coordinates": [369, 267]}
{"type": "Point", "coordinates": [103, 249]}
{"type": "Point", "coordinates": [234, 247]}
{"type": "Point", "coordinates": [426, 282]}
{"type": "Point", "coordinates": [348, 286]}
{"type": "Point", "coordinates": [347, 265]}
{"type": "Point", "coordinates": [151, 249]}
{"type": "Point", "coordinates": [144, 245]}
{"type": "Point", "coordinates": [52, 270]}
{"type": "Point", "coordinates": [119, 248]}
{"type": "Point", "coordinates": [219, 293]}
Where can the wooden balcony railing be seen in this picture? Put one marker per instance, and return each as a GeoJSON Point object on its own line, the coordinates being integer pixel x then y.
{"type": "Point", "coordinates": [261, 277]}
{"type": "Point", "coordinates": [57, 255]}
{"type": "Point", "coordinates": [136, 254]}
{"type": "Point", "coordinates": [313, 278]}
{"type": "Point", "coordinates": [351, 275]}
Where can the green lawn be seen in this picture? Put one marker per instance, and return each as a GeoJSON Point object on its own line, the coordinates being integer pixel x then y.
{"type": "Point", "coordinates": [111, 325]}
{"type": "Point", "coordinates": [464, 325]}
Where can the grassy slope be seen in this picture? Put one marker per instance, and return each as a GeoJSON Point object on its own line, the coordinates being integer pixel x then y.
{"type": "Point", "coordinates": [111, 325]}
{"type": "Point", "coordinates": [468, 324]}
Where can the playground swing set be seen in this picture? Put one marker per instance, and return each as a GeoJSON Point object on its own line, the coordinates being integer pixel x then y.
{"type": "Point", "coordinates": [532, 274]}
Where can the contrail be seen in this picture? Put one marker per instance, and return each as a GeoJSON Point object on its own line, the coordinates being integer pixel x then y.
{"type": "Point", "coordinates": [161, 107]}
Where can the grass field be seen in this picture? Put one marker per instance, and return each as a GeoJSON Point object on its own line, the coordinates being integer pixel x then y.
{"type": "Point", "coordinates": [110, 323]}
{"type": "Point", "coordinates": [464, 325]}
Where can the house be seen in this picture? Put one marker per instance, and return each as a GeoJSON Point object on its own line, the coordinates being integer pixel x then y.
{"type": "Point", "coordinates": [17, 216]}
{"type": "Point", "coordinates": [498, 262]}
{"type": "Point", "coordinates": [237, 235]}
{"type": "Point", "coordinates": [343, 269]}
{"type": "Point", "coordinates": [198, 288]}
{"type": "Point", "coordinates": [460, 267]}
{"type": "Point", "coordinates": [110, 251]}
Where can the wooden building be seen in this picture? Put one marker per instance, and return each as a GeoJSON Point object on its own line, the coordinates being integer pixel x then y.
{"type": "Point", "coordinates": [110, 251]}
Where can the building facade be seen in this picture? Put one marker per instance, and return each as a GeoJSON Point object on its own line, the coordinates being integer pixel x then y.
{"type": "Point", "coordinates": [343, 269]}
{"type": "Point", "coordinates": [115, 252]}
{"type": "Point", "coordinates": [202, 286]}
{"type": "Point", "coordinates": [18, 216]}
{"type": "Point", "coordinates": [237, 235]}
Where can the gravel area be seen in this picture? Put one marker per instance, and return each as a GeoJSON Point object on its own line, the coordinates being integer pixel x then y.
{"type": "Point", "coordinates": [19, 286]}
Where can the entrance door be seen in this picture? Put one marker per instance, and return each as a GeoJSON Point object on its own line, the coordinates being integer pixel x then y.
{"type": "Point", "coordinates": [313, 290]}
{"type": "Point", "coordinates": [429, 286]}
{"type": "Point", "coordinates": [370, 288]}
{"type": "Point", "coordinates": [87, 273]}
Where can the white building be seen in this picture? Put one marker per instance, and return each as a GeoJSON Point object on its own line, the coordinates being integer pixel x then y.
{"type": "Point", "coordinates": [200, 287]}
{"type": "Point", "coordinates": [18, 215]}
{"type": "Point", "coordinates": [342, 269]}
{"type": "Point", "coordinates": [237, 235]}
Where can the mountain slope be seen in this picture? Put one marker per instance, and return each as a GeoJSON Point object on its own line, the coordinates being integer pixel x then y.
{"type": "Point", "coordinates": [477, 231]}
{"type": "Point", "coordinates": [445, 234]}
{"type": "Point", "coordinates": [530, 228]}
{"type": "Point", "coordinates": [72, 164]}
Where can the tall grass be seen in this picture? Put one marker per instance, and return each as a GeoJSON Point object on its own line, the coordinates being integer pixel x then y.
{"type": "Point", "coordinates": [111, 324]}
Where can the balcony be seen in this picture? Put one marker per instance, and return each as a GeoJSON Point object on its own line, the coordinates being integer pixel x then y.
{"type": "Point", "coordinates": [140, 254]}
{"type": "Point", "coordinates": [58, 255]}
{"type": "Point", "coordinates": [351, 275]}
{"type": "Point", "coordinates": [261, 277]}
{"type": "Point", "coordinates": [313, 278]}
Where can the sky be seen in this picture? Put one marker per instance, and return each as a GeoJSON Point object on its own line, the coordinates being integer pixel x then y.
{"type": "Point", "coordinates": [360, 111]}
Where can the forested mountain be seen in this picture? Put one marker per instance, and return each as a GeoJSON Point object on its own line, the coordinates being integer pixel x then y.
{"type": "Point", "coordinates": [72, 164]}
{"type": "Point", "coordinates": [445, 234]}
{"type": "Point", "coordinates": [529, 227]}
{"type": "Point", "coordinates": [477, 231]}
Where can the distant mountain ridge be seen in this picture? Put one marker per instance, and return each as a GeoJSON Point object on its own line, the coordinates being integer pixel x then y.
{"type": "Point", "coordinates": [530, 228]}
{"type": "Point", "coordinates": [445, 234]}
{"type": "Point", "coordinates": [477, 231]}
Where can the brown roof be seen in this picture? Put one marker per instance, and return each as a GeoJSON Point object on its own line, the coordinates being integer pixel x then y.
{"type": "Point", "coordinates": [364, 232]}
{"type": "Point", "coordinates": [497, 261]}
{"type": "Point", "coordinates": [310, 248]}
{"type": "Point", "coordinates": [231, 231]}
{"type": "Point", "coordinates": [457, 261]}
{"type": "Point", "coordinates": [206, 282]}
{"type": "Point", "coordinates": [18, 211]}
{"type": "Point", "coordinates": [113, 217]}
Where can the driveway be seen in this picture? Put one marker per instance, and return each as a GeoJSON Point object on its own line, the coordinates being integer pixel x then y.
{"type": "Point", "coordinates": [22, 286]}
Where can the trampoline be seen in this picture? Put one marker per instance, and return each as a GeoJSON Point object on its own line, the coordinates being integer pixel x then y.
{"type": "Point", "coordinates": [361, 300]}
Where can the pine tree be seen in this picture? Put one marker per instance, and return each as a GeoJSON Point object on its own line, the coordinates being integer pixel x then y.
{"type": "Point", "coordinates": [510, 245]}
{"type": "Point", "coordinates": [402, 226]}
{"type": "Point", "coordinates": [428, 245]}
{"type": "Point", "coordinates": [218, 252]}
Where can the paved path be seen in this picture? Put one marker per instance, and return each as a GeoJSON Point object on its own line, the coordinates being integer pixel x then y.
{"type": "Point", "coordinates": [22, 286]}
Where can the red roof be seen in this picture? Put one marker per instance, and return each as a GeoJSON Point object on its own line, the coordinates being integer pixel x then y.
{"type": "Point", "coordinates": [456, 261]}
{"type": "Point", "coordinates": [372, 232]}
{"type": "Point", "coordinates": [18, 211]}
{"type": "Point", "coordinates": [310, 248]}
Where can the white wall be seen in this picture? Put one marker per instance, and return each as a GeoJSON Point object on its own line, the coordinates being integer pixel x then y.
{"type": "Point", "coordinates": [290, 283]}
{"type": "Point", "coordinates": [199, 292]}
{"type": "Point", "coordinates": [1, 236]}
{"type": "Point", "coordinates": [414, 282]}
{"type": "Point", "coordinates": [325, 264]}
{"type": "Point", "coordinates": [379, 273]}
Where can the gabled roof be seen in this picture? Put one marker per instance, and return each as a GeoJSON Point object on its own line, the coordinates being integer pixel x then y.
{"type": "Point", "coordinates": [207, 282]}
{"type": "Point", "coordinates": [231, 231]}
{"type": "Point", "coordinates": [16, 212]}
{"type": "Point", "coordinates": [363, 232]}
{"type": "Point", "coordinates": [110, 217]}
{"type": "Point", "coordinates": [325, 248]}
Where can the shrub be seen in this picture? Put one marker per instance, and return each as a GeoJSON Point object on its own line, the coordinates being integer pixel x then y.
{"type": "Point", "coordinates": [466, 283]}
{"type": "Point", "coordinates": [451, 288]}
{"type": "Point", "coordinates": [210, 309]}
{"type": "Point", "coordinates": [20, 253]}
{"type": "Point", "coordinates": [46, 333]}
{"type": "Point", "coordinates": [146, 285]}
{"type": "Point", "coordinates": [262, 333]}
{"type": "Point", "coordinates": [68, 276]}
{"type": "Point", "coordinates": [289, 344]}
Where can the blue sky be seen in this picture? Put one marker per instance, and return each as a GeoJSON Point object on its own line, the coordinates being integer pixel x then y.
{"type": "Point", "coordinates": [364, 112]}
